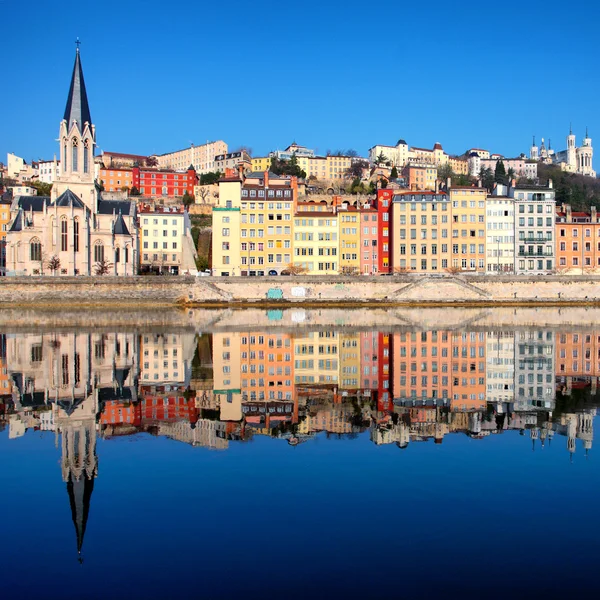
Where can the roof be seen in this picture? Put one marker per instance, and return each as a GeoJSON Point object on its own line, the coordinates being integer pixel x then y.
{"type": "Point", "coordinates": [18, 222]}
{"type": "Point", "coordinates": [108, 207]}
{"type": "Point", "coordinates": [68, 198]}
{"type": "Point", "coordinates": [403, 142]}
{"type": "Point", "coordinates": [77, 108]}
{"type": "Point", "coordinates": [124, 155]}
{"type": "Point", "coordinates": [261, 175]}
{"type": "Point", "coordinates": [120, 226]}
{"type": "Point", "coordinates": [33, 203]}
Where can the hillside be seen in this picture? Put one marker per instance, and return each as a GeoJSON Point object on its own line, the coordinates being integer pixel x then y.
{"type": "Point", "coordinates": [578, 191]}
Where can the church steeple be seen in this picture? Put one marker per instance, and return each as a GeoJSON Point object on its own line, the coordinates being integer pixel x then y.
{"type": "Point", "coordinates": [77, 108]}
{"type": "Point", "coordinates": [80, 493]}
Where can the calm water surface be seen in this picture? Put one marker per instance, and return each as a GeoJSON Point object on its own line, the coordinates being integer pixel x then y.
{"type": "Point", "coordinates": [286, 464]}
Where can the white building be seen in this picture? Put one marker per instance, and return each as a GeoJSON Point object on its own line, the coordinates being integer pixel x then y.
{"type": "Point", "coordinates": [575, 159]}
{"type": "Point", "coordinates": [202, 157]}
{"type": "Point", "coordinates": [48, 170]}
{"type": "Point", "coordinates": [166, 239]}
{"type": "Point", "coordinates": [500, 368]}
{"type": "Point", "coordinates": [535, 208]}
{"type": "Point", "coordinates": [500, 234]}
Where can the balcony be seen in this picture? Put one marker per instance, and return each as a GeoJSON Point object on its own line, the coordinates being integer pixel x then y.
{"type": "Point", "coordinates": [535, 253]}
{"type": "Point", "coordinates": [534, 240]}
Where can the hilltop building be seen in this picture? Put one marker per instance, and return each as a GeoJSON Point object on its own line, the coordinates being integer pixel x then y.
{"type": "Point", "coordinates": [575, 159]}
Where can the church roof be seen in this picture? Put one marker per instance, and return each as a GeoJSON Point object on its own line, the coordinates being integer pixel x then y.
{"type": "Point", "coordinates": [120, 226]}
{"type": "Point", "coordinates": [68, 198]}
{"type": "Point", "coordinates": [18, 222]}
{"type": "Point", "coordinates": [77, 108]}
{"type": "Point", "coordinates": [33, 203]}
{"type": "Point", "coordinates": [108, 207]}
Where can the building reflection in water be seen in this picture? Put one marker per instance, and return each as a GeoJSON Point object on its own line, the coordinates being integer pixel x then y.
{"type": "Point", "coordinates": [210, 390]}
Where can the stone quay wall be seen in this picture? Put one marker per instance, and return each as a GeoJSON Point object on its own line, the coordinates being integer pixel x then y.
{"type": "Point", "coordinates": [62, 292]}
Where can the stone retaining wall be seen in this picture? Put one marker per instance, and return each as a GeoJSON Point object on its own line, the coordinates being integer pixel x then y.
{"type": "Point", "coordinates": [232, 291]}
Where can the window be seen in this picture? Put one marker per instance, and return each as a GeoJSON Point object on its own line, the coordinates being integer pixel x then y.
{"type": "Point", "coordinates": [35, 250]}
{"type": "Point", "coordinates": [63, 235]}
{"type": "Point", "coordinates": [76, 235]}
{"type": "Point", "coordinates": [86, 157]}
{"type": "Point", "coordinates": [98, 252]}
{"type": "Point", "coordinates": [117, 256]}
{"type": "Point", "coordinates": [74, 165]}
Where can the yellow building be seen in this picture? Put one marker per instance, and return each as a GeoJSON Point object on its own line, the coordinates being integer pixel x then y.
{"type": "Point", "coordinates": [316, 240]}
{"type": "Point", "coordinates": [421, 224]}
{"type": "Point", "coordinates": [350, 371]}
{"type": "Point", "coordinates": [252, 225]}
{"type": "Point", "coordinates": [468, 228]}
{"type": "Point", "coordinates": [349, 224]}
{"type": "Point", "coordinates": [460, 166]}
{"type": "Point", "coordinates": [261, 164]}
{"type": "Point", "coordinates": [316, 358]}
{"type": "Point", "coordinates": [226, 216]}
{"type": "Point", "coordinates": [226, 349]}
{"type": "Point", "coordinates": [337, 167]}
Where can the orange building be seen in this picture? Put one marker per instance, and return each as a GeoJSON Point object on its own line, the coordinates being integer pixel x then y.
{"type": "Point", "coordinates": [115, 179]}
{"type": "Point", "coordinates": [577, 355]}
{"type": "Point", "coordinates": [468, 371]}
{"type": "Point", "coordinates": [420, 175]}
{"type": "Point", "coordinates": [577, 240]}
{"type": "Point", "coordinates": [421, 362]}
{"type": "Point", "coordinates": [267, 379]}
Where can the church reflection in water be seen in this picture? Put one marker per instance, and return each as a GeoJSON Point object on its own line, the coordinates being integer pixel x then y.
{"type": "Point", "coordinates": [214, 389]}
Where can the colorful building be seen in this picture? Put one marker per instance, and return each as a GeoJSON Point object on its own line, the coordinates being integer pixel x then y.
{"type": "Point", "coordinates": [384, 219]}
{"type": "Point", "coordinates": [577, 241]}
{"type": "Point", "coordinates": [349, 219]}
{"type": "Point", "coordinates": [369, 239]}
{"type": "Point", "coordinates": [420, 175]}
{"type": "Point", "coordinates": [468, 228]}
{"type": "Point", "coordinates": [421, 225]}
{"type": "Point", "coordinates": [316, 242]}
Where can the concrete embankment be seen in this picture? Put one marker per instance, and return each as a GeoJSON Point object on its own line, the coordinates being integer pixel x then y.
{"type": "Point", "coordinates": [157, 292]}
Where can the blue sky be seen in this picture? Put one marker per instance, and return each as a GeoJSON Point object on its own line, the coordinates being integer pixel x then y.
{"type": "Point", "coordinates": [330, 75]}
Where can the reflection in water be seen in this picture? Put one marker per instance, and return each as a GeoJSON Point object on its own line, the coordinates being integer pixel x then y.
{"type": "Point", "coordinates": [210, 390]}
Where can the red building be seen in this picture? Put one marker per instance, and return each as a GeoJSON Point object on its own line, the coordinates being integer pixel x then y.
{"type": "Point", "coordinates": [384, 212]}
{"type": "Point", "coordinates": [164, 183]}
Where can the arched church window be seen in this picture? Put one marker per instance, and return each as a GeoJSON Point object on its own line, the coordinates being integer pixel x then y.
{"type": "Point", "coordinates": [64, 242]}
{"type": "Point", "coordinates": [86, 156]}
{"type": "Point", "coordinates": [98, 252]}
{"type": "Point", "coordinates": [126, 255]}
{"type": "Point", "coordinates": [64, 156]}
{"type": "Point", "coordinates": [117, 256]}
{"type": "Point", "coordinates": [76, 235]}
{"type": "Point", "coordinates": [75, 162]}
{"type": "Point", "coordinates": [35, 250]}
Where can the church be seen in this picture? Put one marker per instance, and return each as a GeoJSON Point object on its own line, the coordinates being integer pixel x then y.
{"type": "Point", "coordinates": [73, 231]}
{"type": "Point", "coordinates": [575, 159]}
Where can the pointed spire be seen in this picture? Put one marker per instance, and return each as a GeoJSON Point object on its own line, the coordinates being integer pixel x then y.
{"type": "Point", "coordinates": [80, 494]}
{"type": "Point", "coordinates": [77, 108]}
{"type": "Point", "coordinates": [533, 141]}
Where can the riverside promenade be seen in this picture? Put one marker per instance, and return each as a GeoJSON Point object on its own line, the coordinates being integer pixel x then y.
{"type": "Point", "coordinates": [311, 291]}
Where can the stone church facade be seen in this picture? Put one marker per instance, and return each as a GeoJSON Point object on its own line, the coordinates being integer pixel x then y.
{"type": "Point", "coordinates": [74, 231]}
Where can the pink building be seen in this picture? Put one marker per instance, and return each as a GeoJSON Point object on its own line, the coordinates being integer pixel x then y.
{"type": "Point", "coordinates": [369, 234]}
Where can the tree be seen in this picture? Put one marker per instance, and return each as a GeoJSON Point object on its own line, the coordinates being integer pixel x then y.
{"type": "Point", "coordinates": [453, 270]}
{"type": "Point", "coordinates": [510, 174]}
{"type": "Point", "coordinates": [280, 166]}
{"type": "Point", "coordinates": [296, 269]}
{"type": "Point", "coordinates": [204, 193]}
{"type": "Point", "coordinates": [500, 172]}
{"type": "Point", "coordinates": [53, 263]}
{"type": "Point", "coordinates": [210, 178]}
{"type": "Point", "coordinates": [134, 191]}
{"type": "Point", "coordinates": [101, 185]}
{"type": "Point", "coordinates": [103, 267]}
{"type": "Point", "coordinates": [394, 173]}
{"type": "Point", "coordinates": [152, 161]}
{"type": "Point", "coordinates": [487, 178]}
{"type": "Point", "coordinates": [351, 152]}
{"type": "Point", "coordinates": [445, 172]}
{"type": "Point", "coordinates": [42, 188]}
{"type": "Point", "coordinates": [187, 199]}
{"type": "Point", "coordinates": [382, 159]}
{"type": "Point", "coordinates": [383, 183]}
{"type": "Point", "coordinates": [356, 169]}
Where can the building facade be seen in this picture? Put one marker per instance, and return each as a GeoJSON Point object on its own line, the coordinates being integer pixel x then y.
{"type": "Point", "coordinates": [468, 228]}
{"type": "Point", "coordinates": [577, 241]}
{"type": "Point", "coordinates": [500, 234]}
{"type": "Point", "coordinates": [201, 157]}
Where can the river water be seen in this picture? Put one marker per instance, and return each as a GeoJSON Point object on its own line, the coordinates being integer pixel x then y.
{"type": "Point", "coordinates": [264, 461]}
